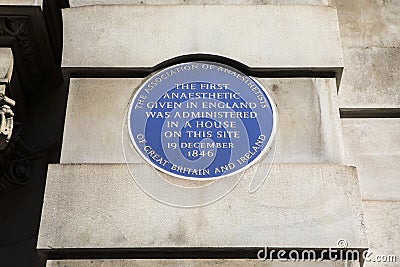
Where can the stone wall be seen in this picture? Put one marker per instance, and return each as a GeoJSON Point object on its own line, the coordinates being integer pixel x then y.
{"type": "Point", "coordinates": [77, 3]}
{"type": "Point", "coordinates": [370, 49]}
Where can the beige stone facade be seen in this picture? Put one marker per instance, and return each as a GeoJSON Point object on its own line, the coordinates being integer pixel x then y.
{"type": "Point", "coordinates": [336, 173]}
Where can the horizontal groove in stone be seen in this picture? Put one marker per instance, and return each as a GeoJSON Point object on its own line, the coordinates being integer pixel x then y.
{"type": "Point", "coordinates": [186, 253]}
{"type": "Point", "coordinates": [107, 72]}
{"type": "Point", "coordinates": [369, 113]}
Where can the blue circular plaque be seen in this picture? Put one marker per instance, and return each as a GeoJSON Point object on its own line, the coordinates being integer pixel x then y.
{"type": "Point", "coordinates": [201, 120]}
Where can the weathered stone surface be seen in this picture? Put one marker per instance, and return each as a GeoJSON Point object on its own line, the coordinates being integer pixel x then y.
{"type": "Point", "coordinates": [76, 3]}
{"type": "Point", "coordinates": [21, 2]}
{"type": "Point", "coordinates": [308, 36]}
{"type": "Point", "coordinates": [383, 229]}
{"type": "Point", "coordinates": [369, 23]}
{"type": "Point", "coordinates": [309, 125]}
{"type": "Point", "coordinates": [300, 205]}
{"type": "Point", "coordinates": [6, 59]}
{"type": "Point", "coordinates": [371, 78]}
{"type": "Point", "coordinates": [373, 146]}
{"type": "Point", "coordinates": [95, 118]}
{"type": "Point", "coordinates": [371, 41]}
{"type": "Point", "coordinates": [190, 263]}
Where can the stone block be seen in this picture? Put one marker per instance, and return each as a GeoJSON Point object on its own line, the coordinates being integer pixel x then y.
{"type": "Point", "coordinates": [76, 3]}
{"type": "Point", "coordinates": [369, 23]}
{"type": "Point", "coordinates": [383, 229]}
{"type": "Point", "coordinates": [281, 36]}
{"type": "Point", "coordinates": [300, 205]}
{"type": "Point", "coordinates": [95, 119]}
{"type": "Point", "coordinates": [309, 125]}
{"type": "Point", "coordinates": [373, 146]}
{"type": "Point", "coordinates": [6, 60]}
{"type": "Point", "coordinates": [371, 78]}
{"type": "Point", "coordinates": [22, 2]}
